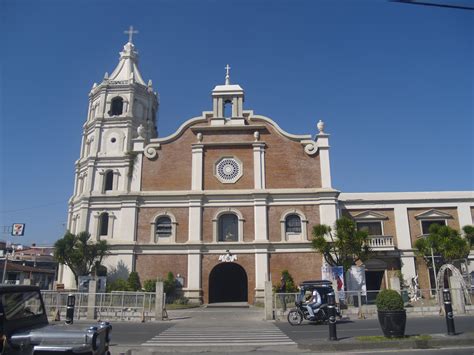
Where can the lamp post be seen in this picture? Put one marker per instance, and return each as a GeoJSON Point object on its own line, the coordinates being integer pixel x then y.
{"type": "Point", "coordinates": [448, 311]}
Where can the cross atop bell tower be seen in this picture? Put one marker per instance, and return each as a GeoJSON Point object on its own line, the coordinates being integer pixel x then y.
{"type": "Point", "coordinates": [130, 33]}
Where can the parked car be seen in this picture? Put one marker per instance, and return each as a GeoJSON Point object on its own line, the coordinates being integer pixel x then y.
{"type": "Point", "coordinates": [25, 328]}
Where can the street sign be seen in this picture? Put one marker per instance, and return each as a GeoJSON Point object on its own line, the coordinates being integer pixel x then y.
{"type": "Point", "coordinates": [18, 229]}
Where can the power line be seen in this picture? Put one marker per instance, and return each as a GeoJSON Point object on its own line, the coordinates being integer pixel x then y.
{"type": "Point", "coordinates": [414, 2]}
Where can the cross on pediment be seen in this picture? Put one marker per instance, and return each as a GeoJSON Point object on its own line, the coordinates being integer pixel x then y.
{"type": "Point", "coordinates": [130, 33]}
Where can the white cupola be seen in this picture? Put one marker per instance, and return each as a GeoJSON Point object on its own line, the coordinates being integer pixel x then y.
{"type": "Point", "coordinates": [227, 102]}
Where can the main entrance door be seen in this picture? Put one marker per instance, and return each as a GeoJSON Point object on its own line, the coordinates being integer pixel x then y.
{"type": "Point", "coordinates": [228, 283]}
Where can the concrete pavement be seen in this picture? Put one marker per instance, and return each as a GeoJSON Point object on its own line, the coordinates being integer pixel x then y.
{"type": "Point", "coordinates": [240, 330]}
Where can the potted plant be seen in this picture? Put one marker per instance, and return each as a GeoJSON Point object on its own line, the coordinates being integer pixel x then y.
{"type": "Point", "coordinates": [391, 313]}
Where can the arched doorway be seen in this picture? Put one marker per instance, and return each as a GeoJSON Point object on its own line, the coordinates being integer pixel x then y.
{"type": "Point", "coordinates": [228, 283]}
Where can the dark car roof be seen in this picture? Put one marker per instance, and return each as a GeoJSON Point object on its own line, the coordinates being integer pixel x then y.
{"type": "Point", "coordinates": [18, 288]}
{"type": "Point", "coordinates": [317, 283]}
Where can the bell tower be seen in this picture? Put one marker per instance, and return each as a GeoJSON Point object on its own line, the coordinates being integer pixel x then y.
{"type": "Point", "coordinates": [122, 108]}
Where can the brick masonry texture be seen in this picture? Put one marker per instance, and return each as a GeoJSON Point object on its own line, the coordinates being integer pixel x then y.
{"type": "Point", "coordinates": [302, 266]}
{"type": "Point", "coordinates": [275, 214]}
{"type": "Point", "coordinates": [415, 224]}
{"type": "Point", "coordinates": [150, 267]}
{"type": "Point", "coordinates": [171, 171]}
{"type": "Point", "coordinates": [388, 225]}
{"type": "Point", "coordinates": [210, 212]}
{"type": "Point", "coordinates": [286, 163]}
{"type": "Point", "coordinates": [247, 261]}
{"type": "Point", "coordinates": [213, 154]}
{"type": "Point", "coordinates": [147, 215]}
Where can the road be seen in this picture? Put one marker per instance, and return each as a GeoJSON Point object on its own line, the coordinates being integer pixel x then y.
{"type": "Point", "coordinates": [244, 330]}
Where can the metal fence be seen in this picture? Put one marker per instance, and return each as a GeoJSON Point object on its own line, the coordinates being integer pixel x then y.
{"type": "Point", "coordinates": [363, 302]}
{"type": "Point", "coordinates": [102, 306]}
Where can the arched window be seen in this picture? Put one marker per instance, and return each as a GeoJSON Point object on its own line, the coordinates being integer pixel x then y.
{"type": "Point", "coordinates": [116, 107]}
{"type": "Point", "coordinates": [104, 224]}
{"type": "Point", "coordinates": [293, 224]}
{"type": "Point", "coordinates": [228, 109]}
{"type": "Point", "coordinates": [228, 228]}
{"type": "Point", "coordinates": [163, 227]}
{"type": "Point", "coordinates": [109, 181]}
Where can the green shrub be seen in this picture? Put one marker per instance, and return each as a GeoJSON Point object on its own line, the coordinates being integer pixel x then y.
{"type": "Point", "coordinates": [134, 281]}
{"type": "Point", "coordinates": [118, 285]}
{"type": "Point", "coordinates": [149, 286]}
{"type": "Point", "coordinates": [389, 300]}
{"type": "Point", "coordinates": [169, 285]}
{"type": "Point", "coordinates": [289, 286]}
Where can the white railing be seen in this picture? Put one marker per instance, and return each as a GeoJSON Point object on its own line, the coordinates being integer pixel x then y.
{"type": "Point", "coordinates": [381, 242]}
{"type": "Point", "coordinates": [12, 282]}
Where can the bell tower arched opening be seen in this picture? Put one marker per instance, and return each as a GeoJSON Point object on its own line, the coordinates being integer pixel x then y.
{"type": "Point", "coordinates": [228, 283]}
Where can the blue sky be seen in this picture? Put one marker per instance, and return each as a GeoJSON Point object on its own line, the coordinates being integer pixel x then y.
{"type": "Point", "coordinates": [393, 82]}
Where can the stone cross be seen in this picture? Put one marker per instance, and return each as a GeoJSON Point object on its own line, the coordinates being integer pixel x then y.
{"type": "Point", "coordinates": [227, 74]}
{"type": "Point", "coordinates": [130, 33]}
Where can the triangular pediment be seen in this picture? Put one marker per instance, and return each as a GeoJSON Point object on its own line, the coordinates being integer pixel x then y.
{"type": "Point", "coordinates": [433, 214]}
{"type": "Point", "coordinates": [369, 215]}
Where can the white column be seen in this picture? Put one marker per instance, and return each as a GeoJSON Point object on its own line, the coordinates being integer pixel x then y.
{"type": "Point", "coordinates": [259, 165]}
{"type": "Point", "coordinates": [323, 146]}
{"type": "Point", "coordinates": [196, 175]}
{"type": "Point", "coordinates": [89, 178]}
{"type": "Point", "coordinates": [261, 272]}
{"type": "Point", "coordinates": [136, 178]}
{"type": "Point", "coordinates": [193, 291]}
{"type": "Point", "coordinates": [260, 218]}
{"type": "Point", "coordinates": [127, 222]}
{"type": "Point", "coordinates": [464, 214]}
{"type": "Point", "coordinates": [402, 228]}
{"type": "Point", "coordinates": [195, 220]}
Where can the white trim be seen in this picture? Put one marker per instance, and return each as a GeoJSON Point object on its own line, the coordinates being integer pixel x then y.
{"type": "Point", "coordinates": [369, 215]}
{"type": "Point", "coordinates": [172, 238]}
{"type": "Point", "coordinates": [433, 214]}
{"type": "Point", "coordinates": [240, 225]}
{"type": "Point", "coordinates": [421, 220]}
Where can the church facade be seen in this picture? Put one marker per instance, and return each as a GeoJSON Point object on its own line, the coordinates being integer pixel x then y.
{"type": "Point", "coordinates": [229, 199]}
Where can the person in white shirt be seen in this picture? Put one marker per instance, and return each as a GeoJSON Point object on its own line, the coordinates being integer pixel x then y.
{"type": "Point", "coordinates": [313, 303]}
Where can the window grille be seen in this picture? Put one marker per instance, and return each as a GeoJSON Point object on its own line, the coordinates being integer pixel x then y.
{"type": "Point", "coordinates": [163, 227]}
{"type": "Point", "coordinates": [293, 224]}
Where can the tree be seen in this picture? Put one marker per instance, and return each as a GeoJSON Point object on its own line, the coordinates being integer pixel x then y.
{"type": "Point", "coordinates": [443, 242]}
{"type": "Point", "coordinates": [80, 253]}
{"type": "Point", "coordinates": [469, 234]}
{"type": "Point", "coordinates": [342, 247]}
{"type": "Point", "coordinates": [134, 281]}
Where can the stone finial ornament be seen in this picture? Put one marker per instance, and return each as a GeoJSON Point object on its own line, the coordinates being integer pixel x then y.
{"type": "Point", "coordinates": [150, 83]}
{"type": "Point", "coordinates": [141, 131]}
{"type": "Point", "coordinates": [320, 126]}
{"type": "Point", "coordinates": [199, 137]}
{"type": "Point", "coordinates": [256, 135]}
{"type": "Point", "coordinates": [106, 75]}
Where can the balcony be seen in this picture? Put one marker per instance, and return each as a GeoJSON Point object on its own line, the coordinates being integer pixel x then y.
{"type": "Point", "coordinates": [381, 242]}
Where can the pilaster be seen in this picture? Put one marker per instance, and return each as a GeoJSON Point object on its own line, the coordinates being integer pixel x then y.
{"type": "Point", "coordinates": [197, 161]}
{"type": "Point", "coordinates": [261, 273]}
{"type": "Point", "coordinates": [259, 165]}
{"type": "Point", "coordinates": [323, 145]}
{"type": "Point", "coordinates": [195, 220]}
{"type": "Point", "coordinates": [260, 218]}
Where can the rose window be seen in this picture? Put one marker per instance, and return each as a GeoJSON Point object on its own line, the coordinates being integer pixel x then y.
{"type": "Point", "coordinates": [228, 170]}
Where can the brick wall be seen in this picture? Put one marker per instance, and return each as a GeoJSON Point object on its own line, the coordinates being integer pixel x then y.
{"type": "Point", "coordinates": [147, 215]}
{"type": "Point", "coordinates": [210, 212]}
{"type": "Point", "coordinates": [415, 224]}
{"type": "Point", "coordinates": [150, 267]}
{"type": "Point", "coordinates": [275, 214]}
{"type": "Point", "coordinates": [302, 266]}
{"type": "Point", "coordinates": [213, 154]}
{"type": "Point", "coordinates": [172, 169]}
